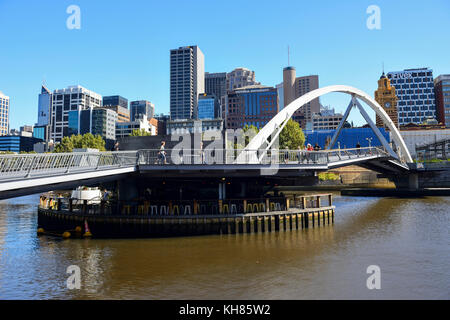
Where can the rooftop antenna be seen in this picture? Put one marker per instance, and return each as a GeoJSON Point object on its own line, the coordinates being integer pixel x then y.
{"type": "Point", "coordinates": [288, 57]}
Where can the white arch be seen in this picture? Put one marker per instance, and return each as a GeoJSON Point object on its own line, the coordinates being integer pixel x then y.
{"type": "Point", "coordinates": [288, 111]}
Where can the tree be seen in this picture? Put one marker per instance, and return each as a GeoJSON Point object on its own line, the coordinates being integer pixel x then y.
{"type": "Point", "coordinates": [140, 133]}
{"type": "Point", "coordinates": [292, 136]}
{"type": "Point", "coordinates": [87, 140]}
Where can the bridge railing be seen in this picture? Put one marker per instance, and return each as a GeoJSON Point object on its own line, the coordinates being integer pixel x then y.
{"type": "Point", "coordinates": [29, 165]}
{"type": "Point", "coordinates": [38, 165]}
{"type": "Point", "coordinates": [242, 156]}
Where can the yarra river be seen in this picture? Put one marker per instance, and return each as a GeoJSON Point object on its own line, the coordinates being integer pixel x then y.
{"type": "Point", "coordinates": [408, 239]}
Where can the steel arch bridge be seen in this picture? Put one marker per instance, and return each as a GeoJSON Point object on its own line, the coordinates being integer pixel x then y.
{"type": "Point", "coordinates": [270, 132]}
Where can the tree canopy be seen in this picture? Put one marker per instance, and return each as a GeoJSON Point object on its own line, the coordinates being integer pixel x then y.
{"type": "Point", "coordinates": [140, 133]}
{"type": "Point", "coordinates": [87, 140]}
{"type": "Point", "coordinates": [292, 136]}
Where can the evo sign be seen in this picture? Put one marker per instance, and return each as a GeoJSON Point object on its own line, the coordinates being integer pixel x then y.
{"type": "Point", "coordinates": [401, 75]}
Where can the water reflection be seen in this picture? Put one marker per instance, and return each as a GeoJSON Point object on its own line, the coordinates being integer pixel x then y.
{"type": "Point", "coordinates": [407, 238]}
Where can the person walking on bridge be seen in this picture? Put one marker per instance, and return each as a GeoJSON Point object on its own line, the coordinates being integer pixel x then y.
{"type": "Point", "coordinates": [162, 153]}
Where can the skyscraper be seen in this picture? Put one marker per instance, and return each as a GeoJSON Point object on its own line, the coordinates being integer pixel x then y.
{"type": "Point", "coordinates": [442, 93]}
{"type": "Point", "coordinates": [140, 108]}
{"type": "Point", "coordinates": [216, 84]}
{"type": "Point", "coordinates": [4, 114]}
{"type": "Point", "coordinates": [44, 106]}
{"type": "Point", "coordinates": [69, 99]}
{"type": "Point", "coordinates": [415, 92]}
{"type": "Point", "coordinates": [294, 87]}
{"type": "Point", "coordinates": [187, 81]}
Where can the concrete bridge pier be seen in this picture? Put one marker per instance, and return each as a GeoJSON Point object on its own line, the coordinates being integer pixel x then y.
{"type": "Point", "coordinates": [413, 181]}
{"type": "Point", "coordinates": [127, 189]}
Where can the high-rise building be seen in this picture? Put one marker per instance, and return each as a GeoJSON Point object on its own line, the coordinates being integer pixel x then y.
{"type": "Point", "coordinates": [294, 87]}
{"type": "Point", "coordinates": [208, 107]}
{"type": "Point", "coordinates": [252, 105]}
{"type": "Point", "coordinates": [140, 108]}
{"type": "Point", "coordinates": [44, 113]}
{"type": "Point", "coordinates": [280, 90]}
{"type": "Point", "coordinates": [101, 121]}
{"type": "Point", "coordinates": [162, 123]}
{"type": "Point", "coordinates": [4, 114]}
{"type": "Point", "coordinates": [216, 84]}
{"type": "Point", "coordinates": [387, 99]}
{"type": "Point", "coordinates": [187, 81]}
{"type": "Point", "coordinates": [239, 78]}
{"type": "Point", "coordinates": [415, 92]}
{"type": "Point", "coordinates": [111, 101]}
{"type": "Point", "coordinates": [44, 107]}
{"type": "Point", "coordinates": [289, 85]}
{"type": "Point", "coordinates": [72, 98]}
{"type": "Point", "coordinates": [442, 94]}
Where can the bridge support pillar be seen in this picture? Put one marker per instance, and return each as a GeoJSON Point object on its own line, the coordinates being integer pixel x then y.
{"type": "Point", "coordinates": [243, 189]}
{"type": "Point", "coordinates": [413, 181]}
{"type": "Point", "coordinates": [127, 189]}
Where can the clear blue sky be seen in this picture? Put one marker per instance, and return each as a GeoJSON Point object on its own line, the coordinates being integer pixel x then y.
{"type": "Point", "coordinates": [123, 46]}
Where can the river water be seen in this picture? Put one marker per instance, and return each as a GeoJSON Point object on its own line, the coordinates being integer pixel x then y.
{"type": "Point", "coordinates": [407, 238]}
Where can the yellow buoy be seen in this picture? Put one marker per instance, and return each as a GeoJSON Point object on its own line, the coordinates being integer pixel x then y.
{"type": "Point", "coordinates": [87, 234]}
{"type": "Point", "coordinates": [40, 231]}
{"type": "Point", "coordinates": [78, 229]}
{"type": "Point", "coordinates": [66, 235]}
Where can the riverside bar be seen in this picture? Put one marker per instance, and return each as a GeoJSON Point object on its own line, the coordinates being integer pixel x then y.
{"type": "Point", "coordinates": [68, 217]}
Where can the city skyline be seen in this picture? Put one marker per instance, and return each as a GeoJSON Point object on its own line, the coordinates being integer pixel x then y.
{"type": "Point", "coordinates": [142, 72]}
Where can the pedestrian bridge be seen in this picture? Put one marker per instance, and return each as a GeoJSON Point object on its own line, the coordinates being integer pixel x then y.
{"type": "Point", "coordinates": [31, 173]}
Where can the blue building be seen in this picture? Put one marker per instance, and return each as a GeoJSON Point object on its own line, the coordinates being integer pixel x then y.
{"type": "Point", "coordinates": [348, 138]}
{"type": "Point", "coordinates": [415, 92]}
{"type": "Point", "coordinates": [208, 107]}
{"type": "Point", "coordinates": [252, 105]}
{"type": "Point", "coordinates": [17, 143]}
{"type": "Point", "coordinates": [44, 105]}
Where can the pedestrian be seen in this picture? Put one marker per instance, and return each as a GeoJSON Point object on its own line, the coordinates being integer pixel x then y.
{"type": "Point", "coordinates": [358, 148]}
{"type": "Point", "coordinates": [316, 149]}
{"type": "Point", "coordinates": [309, 148]}
{"type": "Point", "coordinates": [162, 153]}
{"type": "Point", "coordinates": [116, 146]}
{"type": "Point", "coordinates": [299, 155]}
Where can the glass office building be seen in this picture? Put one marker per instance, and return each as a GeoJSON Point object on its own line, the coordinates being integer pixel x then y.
{"type": "Point", "coordinates": [96, 121]}
{"type": "Point", "coordinates": [17, 143]}
{"type": "Point", "coordinates": [208, 107]}
{"type": "Point", "coordinates": [415, 92]}
{"type": "Point", "coordinates": [141, 108]}
{"type": "Point", "coordinates": [115, 101]}
{"type": "Point", "coordinates": [442, 93]}
{"type": "Point", "coordinates": [253, 105]}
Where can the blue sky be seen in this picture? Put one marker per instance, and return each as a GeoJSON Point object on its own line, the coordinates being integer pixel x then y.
{"type": "Point", "coordinates": [123, 46]}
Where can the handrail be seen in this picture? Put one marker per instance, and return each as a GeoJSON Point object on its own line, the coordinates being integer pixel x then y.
{"type": "Point", "coordinates": [31, 165]}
